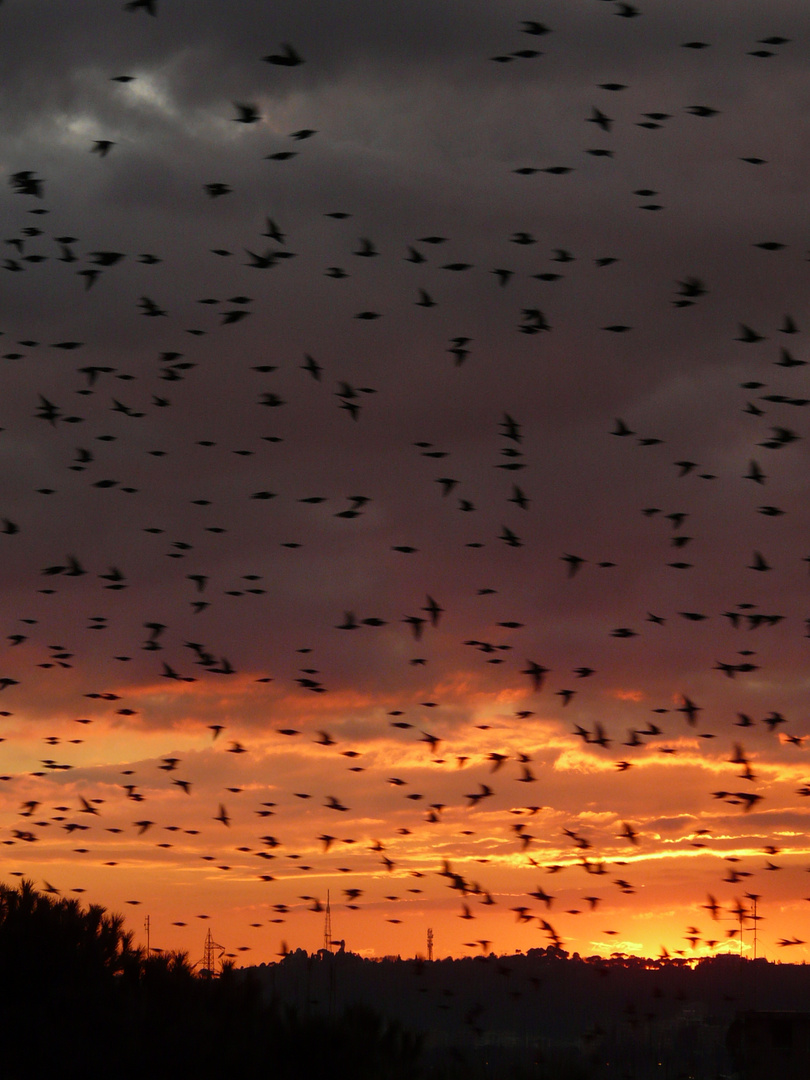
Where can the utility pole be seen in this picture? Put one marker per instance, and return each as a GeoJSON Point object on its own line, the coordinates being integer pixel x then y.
{"type": "Point", "coordinates": [430, 942]}
{"type": "Point", "coordinates": [327, 926]}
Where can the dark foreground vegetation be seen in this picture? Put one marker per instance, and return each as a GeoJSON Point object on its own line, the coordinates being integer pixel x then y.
{"type": "Point", "coordinates": [547, 1013]}
{"type": "Point", "coordinates": [79, 999]}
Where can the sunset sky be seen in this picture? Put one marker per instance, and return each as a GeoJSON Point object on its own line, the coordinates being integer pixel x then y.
{"type": "Point", "coordinates": [404, 471]}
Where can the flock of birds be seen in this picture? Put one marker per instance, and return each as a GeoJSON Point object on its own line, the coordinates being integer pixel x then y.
{"type": "Point", "coordinates": [126, 406]}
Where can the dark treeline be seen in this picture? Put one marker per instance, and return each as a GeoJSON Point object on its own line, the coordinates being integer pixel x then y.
{"type": "Point", "coordinates": [547, 1013]}
{"type": "Point", "coordinates": [544, 991]}
{"type": "Point", "coordinates": [79, 999]}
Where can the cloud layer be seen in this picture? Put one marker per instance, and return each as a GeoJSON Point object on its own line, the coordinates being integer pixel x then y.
{"type": "Point", "coordinates": [437, 434]}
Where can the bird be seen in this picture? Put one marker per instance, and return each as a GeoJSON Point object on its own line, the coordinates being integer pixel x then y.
{"type": "Point", "coordinates": [755, 473]}
{"type": "Point", "coordinates": [574, 563]}
{"type": "Point", "coordinates": [246, 113]}
{"type": "Point", "coordinates": [536, 673]}
{"type": "Point", "coordinates": [288, 57]}
{"type": "Point", "coordinates": [434, 610]}
{"type": "Point", "coordinates": [629, 833]}
{"type": "Point", "coordinates": [600, 119]}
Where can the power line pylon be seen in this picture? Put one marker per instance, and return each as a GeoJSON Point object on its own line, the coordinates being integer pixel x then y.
{"type": "Point", "coordinates": [211, 955]}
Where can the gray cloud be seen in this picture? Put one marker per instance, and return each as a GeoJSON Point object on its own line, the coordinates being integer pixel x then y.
{"type": "Point", "coordinates": [418, 134]}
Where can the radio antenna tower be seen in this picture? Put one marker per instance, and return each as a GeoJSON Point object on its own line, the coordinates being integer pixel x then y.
{"type": "Point", "coordinates": [430, 942]}
{"type": "Point", "coordinates": [327, 926]}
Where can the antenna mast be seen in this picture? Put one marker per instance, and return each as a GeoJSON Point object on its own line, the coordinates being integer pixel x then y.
{"type": "Point", "coordinates": [753, 917]}
{"type": "Point", "coordinates": [741, 913]}
{"type": "Point", "coordinates": [327, 926]}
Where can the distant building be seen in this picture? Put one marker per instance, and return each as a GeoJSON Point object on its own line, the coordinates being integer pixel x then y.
{"type": "Point", "coordinates": [764, 1045]}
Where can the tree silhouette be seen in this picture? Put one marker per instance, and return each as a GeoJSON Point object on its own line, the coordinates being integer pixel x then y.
{"type": "Point", "coordinates": [79, 999]}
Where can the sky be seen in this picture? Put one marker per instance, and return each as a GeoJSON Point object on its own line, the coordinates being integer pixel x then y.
{"type": "Point", "coordinates": [404, 479]}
